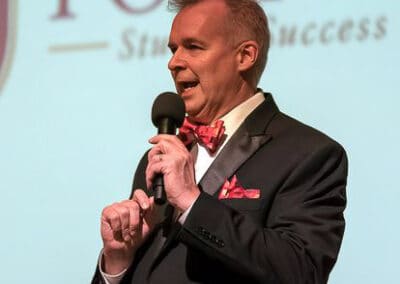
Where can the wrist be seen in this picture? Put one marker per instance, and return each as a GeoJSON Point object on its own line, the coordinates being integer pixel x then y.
{"type": "Point", "coordinates": [115, 263]}
{"type": "Point", "coordinates": [187, 199]}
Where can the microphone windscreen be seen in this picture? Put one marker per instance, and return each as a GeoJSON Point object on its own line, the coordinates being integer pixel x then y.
{"type": "Point", "coordinates": [168, 105]}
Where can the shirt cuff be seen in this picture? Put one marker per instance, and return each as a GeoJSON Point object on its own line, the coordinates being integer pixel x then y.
{"type": "Point", "coordinates": [184, 215]}
{"type": "Point", "coordinates": [109, 278]}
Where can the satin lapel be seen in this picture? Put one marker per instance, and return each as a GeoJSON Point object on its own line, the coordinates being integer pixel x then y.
{"type": "Point", "coordinates": [250, 136]}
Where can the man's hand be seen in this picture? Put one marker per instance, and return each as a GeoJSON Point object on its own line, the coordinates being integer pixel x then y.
{"type": "Point", "coordinates": [170, 157]}
{"type": "Point", "coordinates": [124, 227]}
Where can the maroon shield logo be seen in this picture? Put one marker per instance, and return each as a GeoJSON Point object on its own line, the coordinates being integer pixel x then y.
{"type": "Point", "coordinates": [7, 36]}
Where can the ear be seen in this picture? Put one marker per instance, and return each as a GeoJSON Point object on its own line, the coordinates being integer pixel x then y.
{"type": "Point", "coordinates": [247, 55]}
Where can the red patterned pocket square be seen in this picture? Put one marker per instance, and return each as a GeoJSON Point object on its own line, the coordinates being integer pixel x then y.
{"type": "Point", "coordinates": [233, 189]}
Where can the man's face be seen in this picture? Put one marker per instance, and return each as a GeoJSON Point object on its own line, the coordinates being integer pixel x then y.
{"type": "Point", "coordinates": [204, 61]}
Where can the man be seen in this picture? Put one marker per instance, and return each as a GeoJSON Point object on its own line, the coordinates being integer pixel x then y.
{"type": "Point", "coordinates": [265, 207]}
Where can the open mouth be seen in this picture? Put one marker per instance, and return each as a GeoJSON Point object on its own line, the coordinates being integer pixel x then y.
{"type": "Point", "coordinates": [185, 86]}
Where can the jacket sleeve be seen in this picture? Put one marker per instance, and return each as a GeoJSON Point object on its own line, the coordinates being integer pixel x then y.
{"type": "Point", "coordinates": [300, 237]}
{"type": "Point", "coordinates": [138, 182]}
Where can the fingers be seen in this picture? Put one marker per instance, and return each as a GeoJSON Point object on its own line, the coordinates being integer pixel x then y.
{"type": "Point", "coordinates": [152, 170]}
{"type": "Point", "coordinates": [172, 138]}
{"type": "Point", "coordinates": [142, 199]}
{"type": "Point", "coordinates": [164, 144]}
{"type": "Point", "coordinates": [167, 151]}
{"type": "Point", "coordinates": [134, 221]}
{"type": "Point", "coordinates": [123, 219]}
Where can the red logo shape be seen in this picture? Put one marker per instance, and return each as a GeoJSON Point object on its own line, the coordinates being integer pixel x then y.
{"type": "Point", "coordinates": [7, 36]}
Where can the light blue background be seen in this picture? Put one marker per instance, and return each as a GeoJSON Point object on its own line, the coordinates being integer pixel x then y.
{"type": "Point", "coordinates": [73, 126]}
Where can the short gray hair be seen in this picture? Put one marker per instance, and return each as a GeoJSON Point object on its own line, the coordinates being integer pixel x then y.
{"type": "Point", "coordinates": [249, 18]}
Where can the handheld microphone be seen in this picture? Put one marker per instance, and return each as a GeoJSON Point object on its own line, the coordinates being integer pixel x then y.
{"type": "Point", "coordinates": [167, 114]}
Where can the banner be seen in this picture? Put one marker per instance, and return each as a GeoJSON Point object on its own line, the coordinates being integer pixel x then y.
{"type": "Point", "coordinates": [77, 82]}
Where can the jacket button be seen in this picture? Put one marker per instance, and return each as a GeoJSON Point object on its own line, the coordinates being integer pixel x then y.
{"type": "Point", "coordinates": [201, 230]}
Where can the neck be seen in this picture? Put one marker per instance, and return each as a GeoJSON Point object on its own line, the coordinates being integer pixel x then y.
{"type": "Point", "coordinates": [236, 97]}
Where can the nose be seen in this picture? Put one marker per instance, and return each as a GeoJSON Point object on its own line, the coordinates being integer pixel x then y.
{"type": "Point", "coordinates": [177, 61]}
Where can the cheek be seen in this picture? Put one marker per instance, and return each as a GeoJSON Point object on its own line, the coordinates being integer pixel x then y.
{"type": "Point", "coordinates": [217, 74]}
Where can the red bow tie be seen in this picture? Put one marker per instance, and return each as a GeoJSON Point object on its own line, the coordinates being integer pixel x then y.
{"type": "Point", "coordinates": [208, 136]}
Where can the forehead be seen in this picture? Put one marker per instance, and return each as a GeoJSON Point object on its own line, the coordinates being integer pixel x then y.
{"type": "Point", "coordinates": [208, 19]}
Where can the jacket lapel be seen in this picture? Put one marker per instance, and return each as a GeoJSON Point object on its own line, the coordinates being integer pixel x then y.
{"type": "Point", "coordinates": [249, 137]}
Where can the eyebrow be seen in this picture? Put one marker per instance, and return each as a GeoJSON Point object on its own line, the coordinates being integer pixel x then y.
{"type": "Point", "coordinates": [192, 40]}
{"type": "Point", "coordinates": [186, 41]}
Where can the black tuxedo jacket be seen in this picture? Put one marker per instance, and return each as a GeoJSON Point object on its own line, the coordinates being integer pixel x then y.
{"type": "Point", "coordinates": [291, 234]}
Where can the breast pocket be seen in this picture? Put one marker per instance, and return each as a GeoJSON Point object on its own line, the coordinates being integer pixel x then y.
{"type": "Point", "coordinates": [243, 204]}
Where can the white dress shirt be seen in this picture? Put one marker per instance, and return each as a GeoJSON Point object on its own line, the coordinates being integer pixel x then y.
{"type": "Point", "coordinates": [203, 159]}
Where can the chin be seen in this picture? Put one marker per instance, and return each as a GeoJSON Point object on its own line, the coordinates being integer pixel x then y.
{"type": "Point", "coordinates": [190, 109]}
{"type": "Point", "coordinates": [195, 112]}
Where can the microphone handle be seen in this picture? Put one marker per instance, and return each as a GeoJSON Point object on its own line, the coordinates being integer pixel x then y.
{"type": "Point", "coordinates": [158, 189]}
{"type": "Point", "coordinates": [165, 126]}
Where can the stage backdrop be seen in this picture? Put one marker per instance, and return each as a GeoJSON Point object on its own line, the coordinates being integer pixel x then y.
{"type": "Point", "coordinates": [77, 81]}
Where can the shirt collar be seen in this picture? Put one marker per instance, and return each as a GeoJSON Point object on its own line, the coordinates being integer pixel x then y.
{"type": "Point", "coordinates": [234, 118]}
